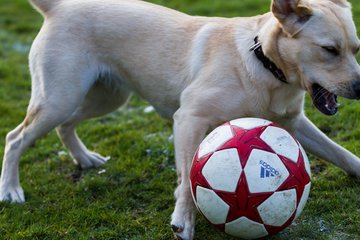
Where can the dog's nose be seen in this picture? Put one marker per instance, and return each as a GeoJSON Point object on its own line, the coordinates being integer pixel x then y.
{"type": "Point", "coordinates": [356, 88]}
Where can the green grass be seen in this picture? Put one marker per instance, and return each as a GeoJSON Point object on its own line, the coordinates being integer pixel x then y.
{"type": "Point", "coordinates": [131, 197]}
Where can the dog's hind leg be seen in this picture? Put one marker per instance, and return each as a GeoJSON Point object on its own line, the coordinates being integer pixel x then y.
{"type": "Point", "coordinates": [100, 100]}
{"type": "Point", "coordinates": [42, 117]}
{"type": "Point", "coordinates": [59, 86]}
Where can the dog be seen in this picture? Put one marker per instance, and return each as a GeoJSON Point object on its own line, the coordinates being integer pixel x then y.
{"type": "Point", "coordinates": [90, 55]}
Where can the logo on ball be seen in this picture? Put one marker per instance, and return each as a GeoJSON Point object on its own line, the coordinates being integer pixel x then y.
{"type": "Point", "coordinates": [267, 170]}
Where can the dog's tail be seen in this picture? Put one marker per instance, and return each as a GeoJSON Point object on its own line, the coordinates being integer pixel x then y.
{"type": "Point", "coordinates": [44, 6]}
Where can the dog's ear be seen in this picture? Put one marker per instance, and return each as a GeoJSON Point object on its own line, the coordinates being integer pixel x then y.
{"type": "Point", "coordinates": [292, 14]}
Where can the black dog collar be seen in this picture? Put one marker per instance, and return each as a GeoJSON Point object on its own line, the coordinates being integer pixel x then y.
{"type": "Point", "coordinates": [268, 64]}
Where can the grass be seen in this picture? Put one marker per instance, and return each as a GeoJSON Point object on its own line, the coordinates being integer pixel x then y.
{"type": "Point", "coordinates": [131, 197]}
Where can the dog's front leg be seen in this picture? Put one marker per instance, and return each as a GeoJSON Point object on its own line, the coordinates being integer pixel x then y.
{"type": "Point", "coordinates": [317, 143]}
{"type": "Point", "coordinates": [189, 130]}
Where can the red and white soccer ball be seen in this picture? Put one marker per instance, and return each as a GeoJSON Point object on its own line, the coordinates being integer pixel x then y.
{"type": "Point", "coordinates": [250, 178]}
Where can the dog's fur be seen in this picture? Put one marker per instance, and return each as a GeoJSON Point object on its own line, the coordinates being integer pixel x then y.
{"type": "Point", "coordinates": [90, 54]}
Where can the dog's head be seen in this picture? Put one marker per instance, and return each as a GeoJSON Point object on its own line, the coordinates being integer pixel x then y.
{"type": "Point", "coordinates": [320, 43]}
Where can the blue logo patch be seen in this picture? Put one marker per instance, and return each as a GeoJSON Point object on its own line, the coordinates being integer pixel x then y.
{"type": "Point", "coordinates": [267, 171]}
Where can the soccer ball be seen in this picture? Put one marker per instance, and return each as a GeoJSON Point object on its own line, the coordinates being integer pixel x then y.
{"type": "Point", "coordinates": [250, 178]}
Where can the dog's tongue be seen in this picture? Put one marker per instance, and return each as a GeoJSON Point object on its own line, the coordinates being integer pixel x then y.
{"type": "Point", "coordinates": [324, 101]}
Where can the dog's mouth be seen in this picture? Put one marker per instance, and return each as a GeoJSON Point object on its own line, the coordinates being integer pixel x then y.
{"type": "Point", "coordinates": [323, 100]}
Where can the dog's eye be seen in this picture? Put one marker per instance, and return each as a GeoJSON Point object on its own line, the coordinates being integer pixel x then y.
{"type": "Point", "coordinates": [331, 50]}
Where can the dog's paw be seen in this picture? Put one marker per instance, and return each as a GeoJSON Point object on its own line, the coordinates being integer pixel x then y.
{"type": "Point", "coordinates": [183, 224]}
{"type": "Point", "coordinates": [13, 195]}
{"type": "Point", "coordinates": [90, 160]}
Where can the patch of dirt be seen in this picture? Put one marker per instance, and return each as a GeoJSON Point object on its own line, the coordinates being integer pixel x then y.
{"type": "Point", "coordinates": [318, 167]}
{"type": "Point", "coordinates": [76, 175]}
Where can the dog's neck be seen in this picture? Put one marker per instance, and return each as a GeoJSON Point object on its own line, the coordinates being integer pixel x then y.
{"type": "Point", "coordinates": [268, 64]}
{"type": "Point", "coordinates": [270, 34]}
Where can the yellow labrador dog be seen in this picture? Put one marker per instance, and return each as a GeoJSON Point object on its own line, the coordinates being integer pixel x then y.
{"type": "Point", "coordinates": [91, 54]}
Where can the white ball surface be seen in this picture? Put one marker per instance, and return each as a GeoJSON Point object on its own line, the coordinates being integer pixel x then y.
{"type": "Point", "coordinates": [211, 205]}
{"type": "Point", "coordinates": [245, 228]}
{"type": "Point", "coordinates": [303, 200]}
{"type": "Point", "coordinates": [306, 161]}
{"type": "Point", "coordinates": [264, 171]}
{"type": "Point", "coordinates": [214, 140]}
{"type": "Point", "coordinates": [281, 142]}
{"type": "Point", "coordinates": [269, 209]}
{"type": "Point", "coordinates": [223, 169]}
{"type": "Point", "coordinates": [250, 123]}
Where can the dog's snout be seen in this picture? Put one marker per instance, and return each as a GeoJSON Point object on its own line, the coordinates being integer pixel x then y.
{"type": "Point", "coordinates": [356, 89]}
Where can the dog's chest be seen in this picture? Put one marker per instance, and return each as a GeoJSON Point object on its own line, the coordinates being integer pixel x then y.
{"type": "Point", "coordinates": [285, 102]}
